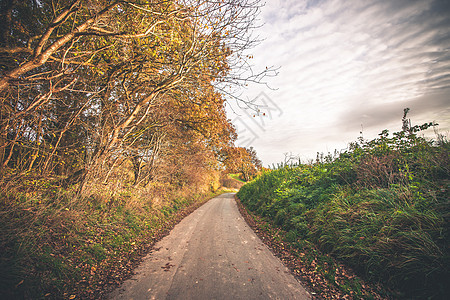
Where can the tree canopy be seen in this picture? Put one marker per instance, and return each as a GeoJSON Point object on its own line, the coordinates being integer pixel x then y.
{"type": "Point", "coordinates": [87, 85]}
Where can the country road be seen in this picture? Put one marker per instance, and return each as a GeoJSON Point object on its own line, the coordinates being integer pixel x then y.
{"type": "Point", "coordinates": [211, 254]}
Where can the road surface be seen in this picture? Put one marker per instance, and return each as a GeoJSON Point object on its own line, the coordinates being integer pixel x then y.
{"type": "Point", "coordinates": [211, 254]}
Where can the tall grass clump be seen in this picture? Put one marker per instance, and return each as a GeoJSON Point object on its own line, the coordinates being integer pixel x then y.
{"type": "Point", "coordinates": [382, 207]}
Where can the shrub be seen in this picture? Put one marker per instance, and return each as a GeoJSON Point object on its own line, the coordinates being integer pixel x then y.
{"type": "Point", "coordinates": [382, 207]}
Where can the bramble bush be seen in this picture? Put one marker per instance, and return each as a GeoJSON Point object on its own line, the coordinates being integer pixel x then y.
{"type": "Point", "coordinates": [381, 207]}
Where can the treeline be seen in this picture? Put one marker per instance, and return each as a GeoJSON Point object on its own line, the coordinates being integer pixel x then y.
{"type": "Point", "coordinates": [90, 87]}
{"type": "Point", "coordinates": [112, 128]}
{"type": "Point", "coordinates": [381, 207]}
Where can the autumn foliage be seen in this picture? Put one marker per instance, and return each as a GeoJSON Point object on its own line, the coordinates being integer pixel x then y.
{"type": "Point", "coordinates": [88, 86]}
{"type": "Point", "coordinates": [112, 123]}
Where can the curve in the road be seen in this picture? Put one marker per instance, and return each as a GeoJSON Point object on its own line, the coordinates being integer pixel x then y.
{"type": "Point", "coordinates": [211, 254]}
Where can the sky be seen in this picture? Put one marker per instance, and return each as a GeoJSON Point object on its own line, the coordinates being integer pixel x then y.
{"type": "Point", "coordinates": [345, 67]}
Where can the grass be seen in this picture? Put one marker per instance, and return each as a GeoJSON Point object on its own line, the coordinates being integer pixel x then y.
{"type": "Point", "coordinates": [237, 176]}
{"type": "Point", "coordinates": [56, 244]}
{"type": "Point", "coordinates": [229, 182]}
{"type": "Point", "coordinates": [324, 277]}
{"type": "Point", "coordinates": [381, 208]}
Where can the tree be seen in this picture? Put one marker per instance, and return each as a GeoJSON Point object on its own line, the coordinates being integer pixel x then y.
{"type": "Point", "coordinates": [82, 81]}
{"type": "Point", "coordinates": [241, 160]}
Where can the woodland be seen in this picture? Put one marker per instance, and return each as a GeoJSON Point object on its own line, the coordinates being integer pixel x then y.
{"type": "Point", "coordinates": [88, 86]}
{"type": "Point", "coordinates": [112, 124]}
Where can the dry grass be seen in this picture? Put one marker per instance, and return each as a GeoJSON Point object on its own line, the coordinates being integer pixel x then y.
{"type": "Point", "coordinates": [57, 242]}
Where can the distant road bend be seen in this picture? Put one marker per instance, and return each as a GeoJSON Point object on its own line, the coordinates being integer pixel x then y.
{"type": "Point", "coordinates": [211, 254]}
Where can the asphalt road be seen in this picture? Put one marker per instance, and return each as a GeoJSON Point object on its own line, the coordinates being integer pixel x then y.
{"type": "Point", "coordinates": [211, 254]}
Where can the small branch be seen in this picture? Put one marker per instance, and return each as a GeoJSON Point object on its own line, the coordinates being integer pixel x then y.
{"type": "Point", "coordinates": [16, 50]}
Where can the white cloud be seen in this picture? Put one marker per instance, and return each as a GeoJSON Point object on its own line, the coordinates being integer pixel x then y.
{"type": "Point", "coordinates": [339, 60]}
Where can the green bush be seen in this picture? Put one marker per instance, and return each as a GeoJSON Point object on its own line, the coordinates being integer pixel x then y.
{"type": "Point", "coordinates": [381, 207]}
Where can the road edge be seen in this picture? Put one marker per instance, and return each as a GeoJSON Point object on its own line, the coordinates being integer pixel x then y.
{"type": "Point", "coordinates": [276, 247]}
{"type": "Point", "coordinates": [148, 247]}
{"type": "Point", "coordinates": [305, 272]}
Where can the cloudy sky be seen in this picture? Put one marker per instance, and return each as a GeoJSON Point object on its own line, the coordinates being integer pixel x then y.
{"type": "Point", "coordinates": [346, 66]}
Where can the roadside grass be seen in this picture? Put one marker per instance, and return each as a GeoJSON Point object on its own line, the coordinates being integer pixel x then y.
{"type": "Point", "coordinates": [237, 176]}
{"type": "Point", "coordinates": [321, 274]}
{"type": "Point", "coordinates": [382, 208]}
{"type": "Point", "coordinates": [56, 244]}
{"type": "Point", "coordinates": [230, 182]}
